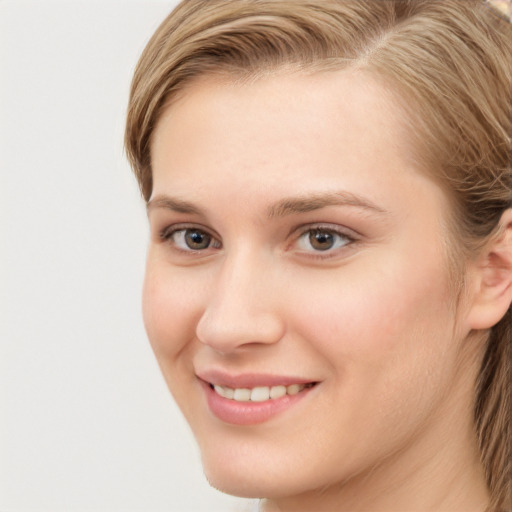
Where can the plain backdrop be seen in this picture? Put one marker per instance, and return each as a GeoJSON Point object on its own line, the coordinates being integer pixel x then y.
{"type": "Point", "coordinates": [86, 421]}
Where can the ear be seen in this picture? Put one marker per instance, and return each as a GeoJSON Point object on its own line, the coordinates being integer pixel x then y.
{"type": "Point", "coordinates": [492, 278]}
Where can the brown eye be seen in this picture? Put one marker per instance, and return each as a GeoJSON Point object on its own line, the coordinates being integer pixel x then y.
{"type": "Point", "coordinates": [197, 240]}
{"type": "Point", "coordinates": [190, 239]}
{"type": "Point", "coordinates": [321, 240]}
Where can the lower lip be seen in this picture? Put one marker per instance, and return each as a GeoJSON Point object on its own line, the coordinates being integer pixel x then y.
{"type": "Point", "coordinates": [249, 413]}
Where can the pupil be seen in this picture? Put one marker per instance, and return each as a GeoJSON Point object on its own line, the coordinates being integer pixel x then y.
{"type": "Point", "coordinates": [321, 240]}
{"type": "Point", "coordinates": [197, 240]}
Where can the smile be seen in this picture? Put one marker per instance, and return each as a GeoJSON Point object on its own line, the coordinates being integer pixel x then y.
{"type": "Point", "coordinates": [259, 393]}
{"type": "Point", "coordinates": [248, 404]}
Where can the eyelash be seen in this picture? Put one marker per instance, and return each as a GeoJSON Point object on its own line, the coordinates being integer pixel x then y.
{"type": "Point", "coordinates": [167, 234]}
{"type": "Point", "coordinates": [348, 239]}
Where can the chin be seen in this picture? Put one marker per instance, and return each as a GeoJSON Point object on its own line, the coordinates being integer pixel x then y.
{"type": "Point", "coordinates": [245, 480]}
{"type": "Point", "coordinates": [253, 476]}
{"type": "Point", "coordinates": [235, 483]}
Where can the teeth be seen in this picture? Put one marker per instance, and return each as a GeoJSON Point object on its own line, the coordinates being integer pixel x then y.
{"type": "Point", "coordinates": [277, 391]}
{"type": "Point", "coordinates": [260, 393]}
{"type": "Point", "coordinates": [225, 392]}
{"type": "Point", "coordinates": [293, 389]}
{"type": "Point", "coordinates": [229, 393]}
{"type": "Point", "coordinates": [242, 395]}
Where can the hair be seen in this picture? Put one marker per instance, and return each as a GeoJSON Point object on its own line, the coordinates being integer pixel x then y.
{"type": "Point", "coordinates": [450, 61]}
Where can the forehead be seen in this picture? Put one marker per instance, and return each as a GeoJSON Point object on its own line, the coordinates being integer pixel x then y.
{"type": "Point", "coordinates": [288, 131]}
{"type": "Point", "coordinates": [280, 109]}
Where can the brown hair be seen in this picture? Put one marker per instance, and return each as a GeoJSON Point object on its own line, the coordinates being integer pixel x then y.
{"type": "Point", "coordinates": [451, 60]}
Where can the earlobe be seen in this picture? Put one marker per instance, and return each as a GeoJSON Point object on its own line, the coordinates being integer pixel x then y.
{"type": "Point", "coordinates": [493, 279]}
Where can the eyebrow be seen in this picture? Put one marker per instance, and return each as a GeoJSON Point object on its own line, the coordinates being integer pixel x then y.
{"type": "Point", "coordinates": [309, 203]}
{"type": "Point", "coordinates": [174, 204]}
{"type": "Point", "coordinates": [283, 208]}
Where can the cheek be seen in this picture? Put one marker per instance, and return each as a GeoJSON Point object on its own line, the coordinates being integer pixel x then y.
{"type": "Point", "coordinates": [382, 330]}
{"type": "Point", "coordinates": [170, 310]}
{"type": "Point", "coordinates": [384, 339]}
{"type": "Point", "coordinates": [169, 307]}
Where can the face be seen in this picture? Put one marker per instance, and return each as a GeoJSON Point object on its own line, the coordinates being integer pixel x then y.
{"type": "Point", "coordinates": [296, 293]}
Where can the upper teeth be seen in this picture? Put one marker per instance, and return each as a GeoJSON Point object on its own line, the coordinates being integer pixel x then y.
{"type": "Point", "coordinates": [258, 394]}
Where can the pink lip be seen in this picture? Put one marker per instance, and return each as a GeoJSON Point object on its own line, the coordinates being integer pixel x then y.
{"type": "Point", "coordinates": [249, 380]}
{"type": "Point", "coordinates": [249, 413]}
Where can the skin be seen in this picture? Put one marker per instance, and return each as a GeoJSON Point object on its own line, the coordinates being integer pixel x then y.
{"type": "Point", "coordinates": [372, 320]}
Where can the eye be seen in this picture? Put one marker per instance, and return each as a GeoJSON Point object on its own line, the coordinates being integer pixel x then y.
{"type": "Point", "coordinates": [190, 239]}
{"type": "Point", "coordinates": [323, 239]}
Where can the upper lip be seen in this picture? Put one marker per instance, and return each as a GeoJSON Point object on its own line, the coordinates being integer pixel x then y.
{"type": "Point", "coordinates": [249, 380]}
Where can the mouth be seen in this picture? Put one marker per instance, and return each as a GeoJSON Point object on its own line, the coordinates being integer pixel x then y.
{"type": "Point", "coordinates": [246, 401]}
{"type": "Point", "coordinates": [259, 393]}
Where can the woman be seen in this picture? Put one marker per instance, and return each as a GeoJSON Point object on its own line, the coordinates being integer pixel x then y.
{"type": "Point", "coordinates": [329, 275]}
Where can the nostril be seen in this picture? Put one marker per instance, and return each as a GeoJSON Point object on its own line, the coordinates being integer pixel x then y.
{"type": "Point", "coordinates": [226, 328]}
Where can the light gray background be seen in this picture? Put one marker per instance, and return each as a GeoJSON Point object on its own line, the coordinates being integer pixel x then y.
{"type": "Point", "coordinates": [86, 422]}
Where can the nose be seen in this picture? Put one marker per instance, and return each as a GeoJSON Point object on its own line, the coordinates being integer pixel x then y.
{"type": "Point", "coordinates": [243, 306]}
